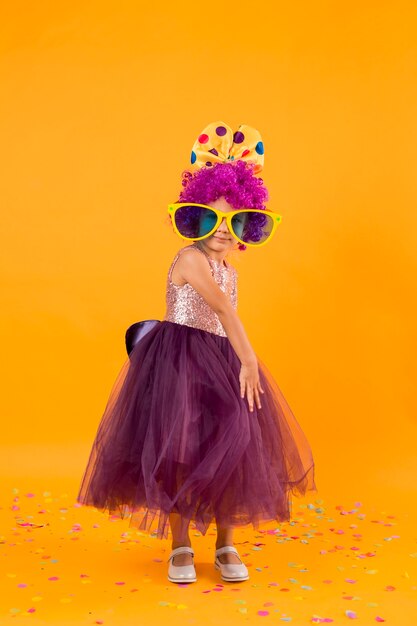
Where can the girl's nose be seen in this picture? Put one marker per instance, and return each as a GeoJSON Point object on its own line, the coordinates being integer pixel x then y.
{"type": "Point", "coordinates": [223, 226]}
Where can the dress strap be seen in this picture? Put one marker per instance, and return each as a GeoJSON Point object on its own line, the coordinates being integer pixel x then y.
{"type": "Point", "coordinates": [206, 255]}
{"type": "Point", "coordinates": [181, 251]}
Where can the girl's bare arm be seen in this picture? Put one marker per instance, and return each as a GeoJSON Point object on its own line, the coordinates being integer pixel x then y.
{"type": "Point", "coordinates": [194, 269]}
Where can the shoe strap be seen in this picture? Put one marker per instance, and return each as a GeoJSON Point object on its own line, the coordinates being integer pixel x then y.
{"type": "Point", "coordinates": [226, 549]}
{"type": "Point", "coordinates": [181, 550]}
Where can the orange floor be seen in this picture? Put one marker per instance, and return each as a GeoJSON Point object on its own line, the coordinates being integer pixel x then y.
{"type": "Point", "coordinates": [336, 561]}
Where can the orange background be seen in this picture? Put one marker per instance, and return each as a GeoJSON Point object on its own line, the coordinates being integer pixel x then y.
{"type": "Point", "coordinates": [100, 105]}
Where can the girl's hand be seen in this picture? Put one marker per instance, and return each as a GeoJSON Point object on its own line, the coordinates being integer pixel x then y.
{"type": "Point", "coordinates": [249, 383]}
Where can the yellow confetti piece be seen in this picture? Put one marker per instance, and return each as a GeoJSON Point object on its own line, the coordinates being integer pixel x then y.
{"type": "Point", "coordinates": [371, 571]}
{"type": "Point", "coordinates": [65, 600]}
{"type": "Point", "coordinates": [12, 575]}
{"type": "Point", "coordinates": [182, 606]}
{"type": "Point", "coordinates": [36, 598]}
{"type": "Point", "coordinates": [243, 610]}
{"type": "Point", "coordinates": [86, 581]}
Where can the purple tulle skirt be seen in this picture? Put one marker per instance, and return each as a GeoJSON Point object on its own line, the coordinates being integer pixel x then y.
{"type": "Point", "coordinates": [177, 443]}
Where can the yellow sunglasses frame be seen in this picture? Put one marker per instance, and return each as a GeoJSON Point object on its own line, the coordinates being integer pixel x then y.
{"type": "Point", "coordinates": [172, 208]}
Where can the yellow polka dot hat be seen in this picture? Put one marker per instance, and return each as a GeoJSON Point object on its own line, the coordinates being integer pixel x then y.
{"type": "Point", "coordinates": [217, 143]}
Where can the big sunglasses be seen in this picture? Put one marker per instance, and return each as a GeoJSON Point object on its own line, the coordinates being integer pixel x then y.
{"type": "Point", "coordinates": [194, 221]}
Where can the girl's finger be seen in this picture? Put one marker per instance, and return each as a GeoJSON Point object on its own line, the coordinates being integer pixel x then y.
{"type": "Point", "coordinates": [258, 400]}
{"type": "Point", "coordinates": [250, 398]}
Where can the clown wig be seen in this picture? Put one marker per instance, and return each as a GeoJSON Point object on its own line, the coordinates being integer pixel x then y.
{"type": "Point", "coordinates": [234, 180]}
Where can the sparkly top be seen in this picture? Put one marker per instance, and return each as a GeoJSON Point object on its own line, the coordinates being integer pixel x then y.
{"type": "Point", "coordinates": [186, 306]}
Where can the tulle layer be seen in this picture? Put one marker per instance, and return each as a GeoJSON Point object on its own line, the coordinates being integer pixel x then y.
{"type": "Point", "coordinates": [177, 443]}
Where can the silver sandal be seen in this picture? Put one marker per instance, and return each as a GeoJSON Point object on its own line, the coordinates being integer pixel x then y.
{"type": "Point", "coordinates": [234, 572]}
{"type": "Point", "coordinates": [181, 573]}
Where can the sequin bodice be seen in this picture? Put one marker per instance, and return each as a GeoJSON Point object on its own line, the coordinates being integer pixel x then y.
{"type": "Point", "coordinates": [186, 306]}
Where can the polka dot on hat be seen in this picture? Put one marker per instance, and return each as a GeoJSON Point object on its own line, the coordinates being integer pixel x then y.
{"type": "Point", "coordinates": [238, 137]}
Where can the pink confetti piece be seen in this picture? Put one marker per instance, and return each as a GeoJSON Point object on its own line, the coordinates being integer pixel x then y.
{"type": "Point", "coordinates": [76, 527]}
{"type": "Point", "coordinates": [389, 588]}
{"type": "Point", "coordinates": [263, 613]}
{"type": "Point", "coordinates": [84, 576]}
{"type": "Point", "coordinates": [53, 578]}
{"type": "Point", "coordinates": [119, 583]}
{"type": "Point", "coordinates": [379, 619]}
{"type": "Point", "coordinates": [351, 614]}
{"type": "Point", "coordinates": [31, 610]}
{"type": "Point", "coordinates": [350, 580]}
{"type": "Point", "coordinates": [22, 585]}
{"type": "Point", "coordinates": [29, 495]}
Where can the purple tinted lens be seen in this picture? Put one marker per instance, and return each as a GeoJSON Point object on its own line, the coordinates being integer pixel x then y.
{"type": "Point", "coordinates": [252, 227]}
{"type": "Point", "coordinates": [195, 221]}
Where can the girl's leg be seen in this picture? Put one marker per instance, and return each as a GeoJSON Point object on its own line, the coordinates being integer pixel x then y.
{"type": "Point", "coordinates": [180, 528]}
{"type": "Point", "coordinates": [225, 538]}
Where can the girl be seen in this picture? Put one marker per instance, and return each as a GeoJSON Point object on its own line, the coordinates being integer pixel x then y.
{"type": "Point", "coordinates": [195, 427]}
